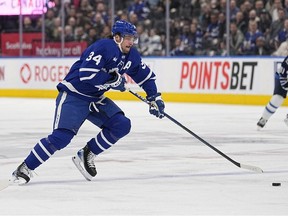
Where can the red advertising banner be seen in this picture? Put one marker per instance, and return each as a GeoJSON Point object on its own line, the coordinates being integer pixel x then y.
{"type": "Point", "coordinates": [10, 43]}
{"type": "Point", "coordinates": [55, 49]}
{"type": "Point", "coordinates": [32, 46]}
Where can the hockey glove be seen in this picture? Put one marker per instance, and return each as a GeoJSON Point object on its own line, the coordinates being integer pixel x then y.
{"type": "Point", "coordinates": [156, 105]}
{"type": "Point", "coordinates": [117, 82]}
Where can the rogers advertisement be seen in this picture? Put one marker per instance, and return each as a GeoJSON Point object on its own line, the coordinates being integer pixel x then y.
{"type": "Point", "coordinates": [30, 73]}
{"type": "Point", "coordinates": [32, 46]}
{"type": "Point", "coordinates": [54, 73]}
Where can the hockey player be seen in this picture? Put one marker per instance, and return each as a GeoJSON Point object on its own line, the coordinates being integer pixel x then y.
{"type": "Point", "coordinates": [280, 93]}
{"type": "Point", "coordinates": [99, 69]}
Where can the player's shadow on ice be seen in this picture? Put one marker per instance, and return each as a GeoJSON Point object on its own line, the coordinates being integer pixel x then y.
{"type": "Point", "coordinates": [82, 181]}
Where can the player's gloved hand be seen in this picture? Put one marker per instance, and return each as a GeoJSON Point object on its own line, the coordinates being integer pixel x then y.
{"type": "Point", "coordinates": [117, 82]}
{"type": "Point", "coordinates": [156, 105]}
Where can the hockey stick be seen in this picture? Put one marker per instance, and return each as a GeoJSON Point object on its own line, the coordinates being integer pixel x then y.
{"type": "Point", "coordinates": [249, 167]}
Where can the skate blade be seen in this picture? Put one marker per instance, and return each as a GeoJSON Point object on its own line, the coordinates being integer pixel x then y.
{"type": "Point", "coordinates": [82, 170]}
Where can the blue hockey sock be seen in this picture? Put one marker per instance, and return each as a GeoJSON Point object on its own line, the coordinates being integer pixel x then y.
{"type": "Point", "coordinates": [41, 152]}
{"type": "Point", "coordinates": [101, 142]}
{"type": "Point", "coordinates": [46, 147]}
{"type": "Point", "coordinates": [274, 103]}
{"type": "Point", "coordinates": [117, 127]}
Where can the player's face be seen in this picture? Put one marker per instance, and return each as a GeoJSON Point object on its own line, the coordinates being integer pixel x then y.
{"type": "Point", "coordinates": [128, 41]}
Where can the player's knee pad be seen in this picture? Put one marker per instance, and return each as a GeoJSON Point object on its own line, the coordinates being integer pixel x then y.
{"type": "Point", "coordinates": [60, 138]}
{"type": "Point", "coordinates": [119, 125]}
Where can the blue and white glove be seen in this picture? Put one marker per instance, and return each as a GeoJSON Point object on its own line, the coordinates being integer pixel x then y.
{"type": "Point", "coordinates": [156, 105]}
{"type": "Point", "coordinates": [117, 82]}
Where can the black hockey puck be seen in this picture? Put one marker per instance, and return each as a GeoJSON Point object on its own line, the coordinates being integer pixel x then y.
{"type": "Point", "coordinates": [276, 184]}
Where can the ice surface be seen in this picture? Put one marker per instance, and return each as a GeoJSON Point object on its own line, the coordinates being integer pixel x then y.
{"type": "Point", "coordinates": [158, 169]}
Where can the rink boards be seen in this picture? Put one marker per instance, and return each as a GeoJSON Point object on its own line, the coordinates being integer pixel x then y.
{"type": "Point", "coordinates": [198, 79]}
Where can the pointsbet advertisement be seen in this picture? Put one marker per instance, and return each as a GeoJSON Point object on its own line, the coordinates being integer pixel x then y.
{"type": "Point", "coordinates": [220, 80]}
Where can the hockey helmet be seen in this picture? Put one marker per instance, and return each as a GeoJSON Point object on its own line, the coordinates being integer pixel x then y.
{"type": "Point", "coordinates": [124, 28]}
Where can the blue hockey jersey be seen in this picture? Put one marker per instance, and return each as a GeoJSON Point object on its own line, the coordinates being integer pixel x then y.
{"type": "Point", "coordinates": [282, 74]}
{"type": "Point", "coordinates": [88, 76]}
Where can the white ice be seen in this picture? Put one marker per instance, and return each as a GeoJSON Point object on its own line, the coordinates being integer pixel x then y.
{"type": "Point", "coordinates": [158, 169]}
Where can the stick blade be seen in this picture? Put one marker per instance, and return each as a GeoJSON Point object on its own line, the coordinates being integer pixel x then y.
{"type": "Point", "coordinates": [252, 168]}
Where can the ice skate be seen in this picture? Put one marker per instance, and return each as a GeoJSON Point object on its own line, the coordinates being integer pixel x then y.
{"type": "Point", "coordinates": [84, 161]}
{"type": "Point", "coordinates": [261, 123]}
{"type": "Point", "coordinates": [286, 120]}
{"type": "Point", "coordinates": [22, 174]}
